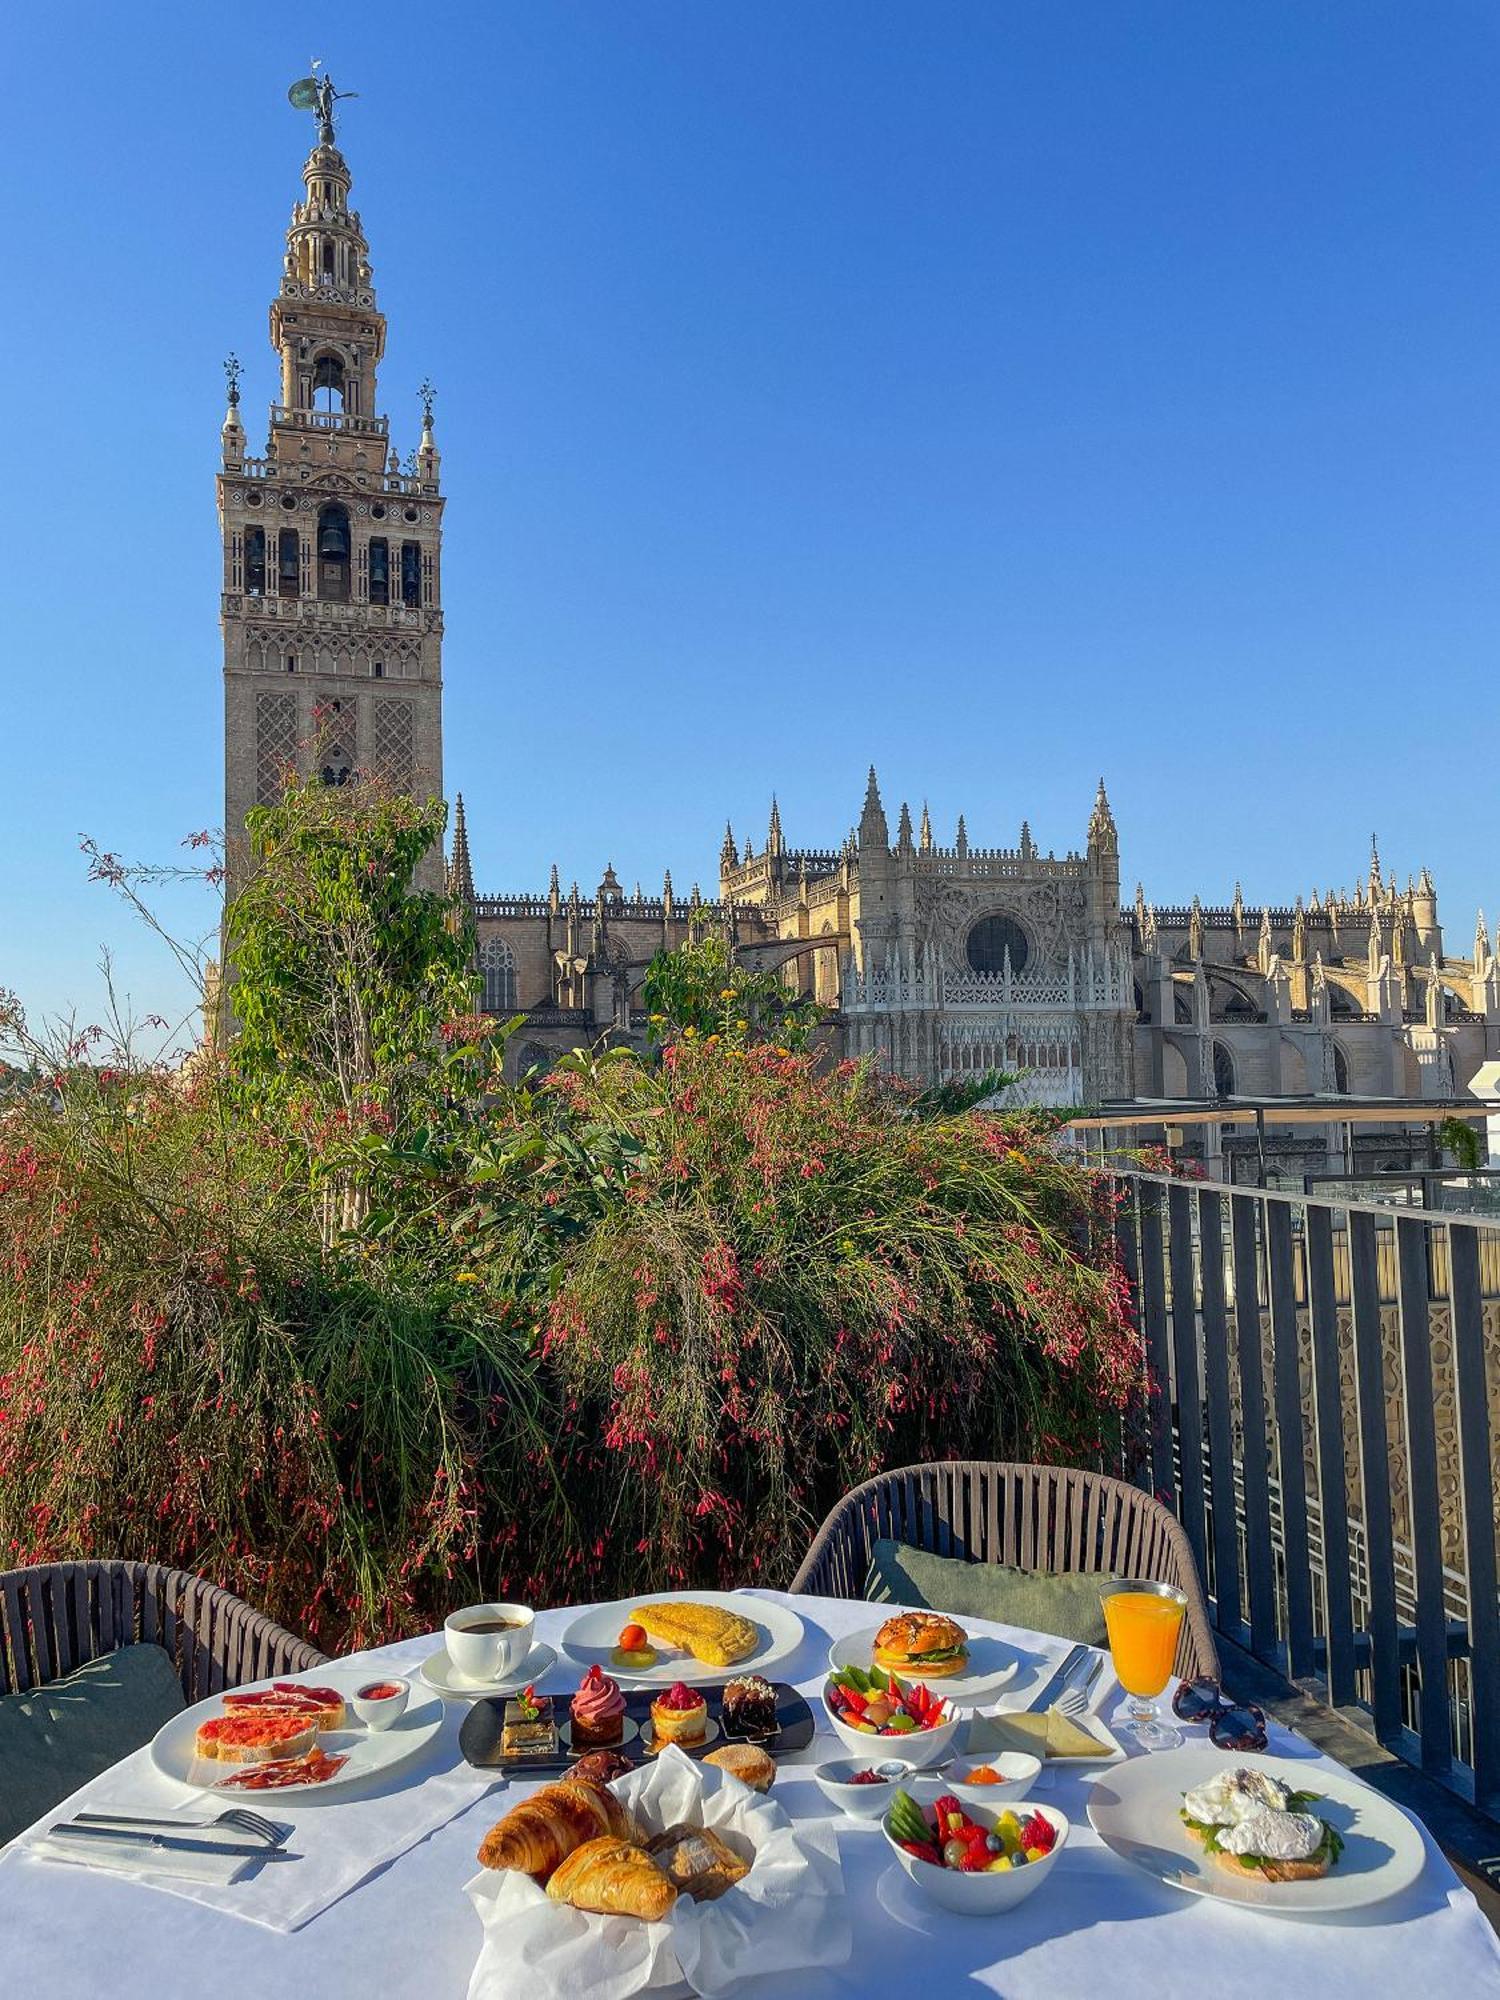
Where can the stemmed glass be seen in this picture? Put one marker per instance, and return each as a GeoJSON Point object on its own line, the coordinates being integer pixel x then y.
{"type": "Point", "coordinates": [1143, 1621]}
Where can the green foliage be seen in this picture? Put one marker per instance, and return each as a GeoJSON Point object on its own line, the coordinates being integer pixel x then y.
{"type": "Point", "coordinates": [344, 974]}
{"type": "Point", "coordinates": [699, 992]}
{"type": "Point", "coordinates": [1460, 1139]}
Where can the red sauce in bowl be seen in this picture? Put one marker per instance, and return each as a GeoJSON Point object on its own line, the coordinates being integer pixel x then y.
{"type": "Point", "coordinates": [379, 1691]}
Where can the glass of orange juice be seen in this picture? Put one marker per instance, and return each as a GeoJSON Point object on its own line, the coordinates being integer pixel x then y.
{"type": "Point", "coordinates": [1143, 1621]}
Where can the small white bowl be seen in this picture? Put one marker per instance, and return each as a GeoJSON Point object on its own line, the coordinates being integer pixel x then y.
{"type": "Point", "coordinates": [1018, 1773]}
{"type": "Point", "coordinates": [863, 1801]}
{"type": "Point", "coordinates": [982, 1894]}
{"type": "Point", "coordinates": [922, 1748]}
{"type": "Point", "coordinates": [380, 1711]}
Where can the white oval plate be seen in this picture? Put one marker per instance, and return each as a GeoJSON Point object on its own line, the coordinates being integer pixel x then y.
{"type": "Point", "coordinates": [437, 1672]}
{"type": "Point", "coordinates": [1134, 1810]}
{"type": "Point", "coordinates": [594, 1634]}
{"type": "Point", "coordinates": [992, 1666]}
{"type": "Point", "coordinates": [371, 1752]}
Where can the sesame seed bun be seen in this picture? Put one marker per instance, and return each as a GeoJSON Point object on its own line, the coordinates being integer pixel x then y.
{"type": "Point", "coordinates": [923, 1643]}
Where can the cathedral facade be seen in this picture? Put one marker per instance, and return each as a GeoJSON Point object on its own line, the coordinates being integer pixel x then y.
{"type": "Point", "coordinates": [940, 961]}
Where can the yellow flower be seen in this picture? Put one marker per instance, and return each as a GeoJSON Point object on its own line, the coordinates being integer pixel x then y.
{"type": "Point", "coordinates": [742, 1025]}
{"type": "Point", "coordinates": [466, 1278]}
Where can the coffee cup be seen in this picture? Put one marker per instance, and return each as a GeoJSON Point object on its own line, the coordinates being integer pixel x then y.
{"type": "Point", "coordinates": [486, 1642]}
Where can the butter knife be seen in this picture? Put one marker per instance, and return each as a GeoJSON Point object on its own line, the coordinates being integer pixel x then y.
{"type": "Point", "coordinates": [1053, 1686]}
{"type": "Point", "coordinates": [70, 1833]}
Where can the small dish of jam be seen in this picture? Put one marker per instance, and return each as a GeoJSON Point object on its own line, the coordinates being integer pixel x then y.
{"type": "Point", "coordinates": [379, 1703]}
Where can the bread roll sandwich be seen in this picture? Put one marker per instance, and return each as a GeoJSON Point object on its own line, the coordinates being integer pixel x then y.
{"type": "Point", "coordinates": [921, 1644]}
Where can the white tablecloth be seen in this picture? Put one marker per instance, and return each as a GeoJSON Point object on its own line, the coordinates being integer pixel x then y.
{"type": "Point", "coordinates": [410, 1933]}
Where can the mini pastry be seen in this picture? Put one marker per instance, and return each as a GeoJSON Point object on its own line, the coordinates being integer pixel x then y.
{"type": "Point", "coordinates": [749, 1707]}
{"type": "Point", "coordinates": [528, 1729]}
{"type": "Point", "coordinates": [597, 1714]}
{"type": "Point", "coordinates": [634, 1651]}
{"type": "Point", "coordinates": [747, 1762]}
{"type": "Point", "coordinates": [697, 1862]}
{"type": "Point", "coordinates": [679, 1716]}
{"type": "Point", "coordinates": [537, 1835]}
{"type": "Point", "coordinates": [615, 1879]}
{"type": "Point", "coordinates": [602, 1767]}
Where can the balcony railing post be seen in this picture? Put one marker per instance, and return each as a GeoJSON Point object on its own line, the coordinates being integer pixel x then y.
{"type": "Point", "coordinates": [1226, 1540]}
{"type": "Point", "coordinates": [1189, 1393]}
{"type": "Point", "coordinates": [1375, 1475]}
{"type": "Point", "coordinates": [1260, 1563]}
{"type": "Point", "coordinates": [1422, 1473]}
{"type": "Point", "coordinates": [1328, 1418]}
{"type": "Point", "coordinates": [1154, 1326]}
{"type": "Point", "coordinates": [1286, 1378]}
{"type": "Point", "coordinates": [1477, 1486]}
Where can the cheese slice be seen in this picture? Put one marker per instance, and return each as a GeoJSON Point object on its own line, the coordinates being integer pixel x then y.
{"type": "Point", "coordinates": [1049, 1735]}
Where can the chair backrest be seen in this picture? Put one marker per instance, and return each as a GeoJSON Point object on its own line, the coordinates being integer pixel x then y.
{"type": "Point", "coordinates": [56, 1617]}
{"type": "Point", "coordinates": [1035, 1517]}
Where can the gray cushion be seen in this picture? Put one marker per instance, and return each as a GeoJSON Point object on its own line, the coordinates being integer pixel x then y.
{"type": "Point", "coordinates": [55, 1738]}
{"type": "Point", "coordinates": [1040, 1600]}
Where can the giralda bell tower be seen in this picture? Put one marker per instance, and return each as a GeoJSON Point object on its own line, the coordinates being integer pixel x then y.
{"type": "Point", "coordinates": [332, 594]}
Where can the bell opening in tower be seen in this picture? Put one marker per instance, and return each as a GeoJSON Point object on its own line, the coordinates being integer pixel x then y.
{"type": "Point", "coordinates": [328, 383]}
{"type": "Point", "coordinates": [333, 552]}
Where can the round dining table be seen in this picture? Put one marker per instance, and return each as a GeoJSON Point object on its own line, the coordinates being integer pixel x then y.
{"type": "Point", "coordinates": [406, 1930]}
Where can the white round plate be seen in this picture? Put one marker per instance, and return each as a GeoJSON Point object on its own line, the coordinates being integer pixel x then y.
{"type": "Point", "coordinates": [593, 1636]}
{"type": "Point", "coordinates": [437, 1672]}
{"type": "Point", "coordinates": [1134, 1810]}
{"type": "Point", "coordinates": [371, 1752]}
{"type": "Point", "coordinates": [628, 1734]}
{"type": "Point", "coordinates": [992, 1666]}
{"type": "Point", "coordinates": [650, 1745]}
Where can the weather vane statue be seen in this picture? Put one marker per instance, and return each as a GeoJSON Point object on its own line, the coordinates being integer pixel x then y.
{"type": "Point", "coordinates": [316, 93]}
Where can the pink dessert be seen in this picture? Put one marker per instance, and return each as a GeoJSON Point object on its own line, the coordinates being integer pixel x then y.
{"type": "Point", "coordinates": [598, 1710]}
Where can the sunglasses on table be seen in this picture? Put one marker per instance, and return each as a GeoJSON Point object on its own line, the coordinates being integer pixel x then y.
{"type": "Point", "coordinates": [1232, 1725]}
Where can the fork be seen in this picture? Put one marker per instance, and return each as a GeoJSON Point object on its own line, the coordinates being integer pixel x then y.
{"type": "Point", "coordinates": [1074, 1701]}
{"type": "Point", "coordinates": [239, 1818]}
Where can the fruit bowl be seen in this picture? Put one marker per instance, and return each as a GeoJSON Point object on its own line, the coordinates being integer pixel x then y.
{"type": "Point", "coordinates": [984, 1893]}
{"type": "Point", "coordinates": [920, 1747]}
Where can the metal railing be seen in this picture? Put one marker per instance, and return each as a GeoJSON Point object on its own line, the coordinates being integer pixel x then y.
{"type": "Point", "coordinates": [1326, 1396]}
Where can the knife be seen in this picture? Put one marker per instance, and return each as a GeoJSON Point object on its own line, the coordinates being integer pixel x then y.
{"type": "Point", "coordinates": [1053, 1686]}
{"type": "Point", "coordinates": [165, 1843]}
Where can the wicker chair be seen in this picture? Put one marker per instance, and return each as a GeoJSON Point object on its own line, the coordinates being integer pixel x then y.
{"type": "Point", "coordinates": [56, 1618]}
{"type": "Point", "coordinates": [1034, 1517]}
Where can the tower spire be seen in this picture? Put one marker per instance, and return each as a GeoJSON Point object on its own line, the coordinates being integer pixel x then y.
{"type": "Point", "coordinates": [924, 837]}
{"type": "Point", "coordinates": [460, 873]}
{"type": "Point", "coordinates": [873, 831]}
{"type": "Point", "coordinates": [773, 836]}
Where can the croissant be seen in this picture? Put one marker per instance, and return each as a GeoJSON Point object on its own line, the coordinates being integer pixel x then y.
{"type": "Point", "coordinates": [543, 1830]}
{"type": "Point", "coordinates": [614, 1879]}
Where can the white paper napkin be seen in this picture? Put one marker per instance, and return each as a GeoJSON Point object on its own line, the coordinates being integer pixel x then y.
{"type": "Point", "coordinates": [333, 1846]}
{"type": "Point", "coordinates": [130, 1857]}
{"type": "Point", "coordinates": [788, 1914]}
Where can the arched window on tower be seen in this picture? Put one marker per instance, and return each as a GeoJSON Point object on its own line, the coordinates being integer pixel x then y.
{"type": "Point", "coordinates": [337, 768]}
{"type": "Point", "coordinates": [333, 552]}
{"type": "Point", "coordinates": [328, 382]}
{"type": "Point", "coordinates": [288, 563]}
{"type": "Point", "coordinates": [1223, 1071]}
{"type": "Point", "coordinates": [1340, 1071]}
{"type": "Point", "coordinates": [497, 964]}
{"type": "Point", "coordinates": [411, 574]}
{"type": "Point", "coordinates": [380, 570]}
{"type": "Point", "coordinates": [255, 562]}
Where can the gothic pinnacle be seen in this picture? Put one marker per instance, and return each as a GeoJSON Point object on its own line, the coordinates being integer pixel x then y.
{"type": "Point", "coordinates": [773, 834]}
{"type": "Point", "coordinates": [924, 838]}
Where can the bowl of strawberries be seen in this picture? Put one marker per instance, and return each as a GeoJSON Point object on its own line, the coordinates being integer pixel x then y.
{"type": "Point", "coordinates": [872, 1709]}
{"type": "Point", "coordinates": [974, 1859]}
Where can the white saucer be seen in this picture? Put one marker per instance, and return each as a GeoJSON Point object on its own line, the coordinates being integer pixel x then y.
{"type": "Point", "coordinates": [438, 1672]}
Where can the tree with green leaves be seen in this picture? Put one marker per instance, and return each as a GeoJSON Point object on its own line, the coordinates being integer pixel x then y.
{"type": "Point", "coordinates": [345, 975]}
{"type": "Point", "coordinates": [700, 991]}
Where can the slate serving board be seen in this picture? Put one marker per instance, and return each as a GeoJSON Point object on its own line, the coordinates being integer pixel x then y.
{"type": "Point", "coordinates": [479, 1737]}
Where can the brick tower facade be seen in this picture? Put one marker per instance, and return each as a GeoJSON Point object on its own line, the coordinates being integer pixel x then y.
{"type": "Point", "coordinates": [332, 589]}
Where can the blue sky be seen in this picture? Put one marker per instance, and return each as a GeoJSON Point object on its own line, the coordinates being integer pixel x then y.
{"type": "Point", "coordinates": [1002, 392]}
